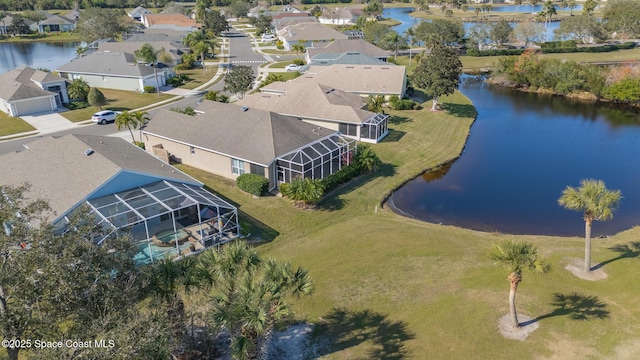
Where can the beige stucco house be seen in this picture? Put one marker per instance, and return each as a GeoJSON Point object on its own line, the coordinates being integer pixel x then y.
{"type": "Point", "coordinates": [230, 140]}
{"type": "Point", "coordinates": [323, 106]}
{"type": "Point", "coordinates": [364, 80]}
{"type": "Point", "coordinates": [114, 70]}
{"type": "Point", "coordinates": [309, 33]}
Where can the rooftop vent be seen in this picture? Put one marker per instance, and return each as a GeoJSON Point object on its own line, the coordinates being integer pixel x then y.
{"type": "Point", "coordinates": [88, 152]}
{"type": "Point", "coordinates": [244, 108]}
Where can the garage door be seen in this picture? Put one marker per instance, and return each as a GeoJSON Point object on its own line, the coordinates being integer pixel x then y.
{"type": "Point", "coordinates": [33, 106]}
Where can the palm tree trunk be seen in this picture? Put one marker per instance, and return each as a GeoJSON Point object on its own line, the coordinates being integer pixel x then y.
{"type": "Point", "coordinates": [204, 68]}
{"type": "Point", "coordinates": [131, 131]}
{"type": "Point", "coordinates": [13, 353]}
{"type": "Point", "coordinates": [155, 74]}
{"type": "Point", "coordinates": [587, 245]}
{"type": "Point", "coordinates": [512, 301]}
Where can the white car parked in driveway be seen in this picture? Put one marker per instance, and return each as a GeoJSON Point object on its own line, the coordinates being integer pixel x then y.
{"type": "Point", "coordinates": [292, 67]}
{"type": "Point", "coordinates": [268, 37]}
{"type": "Point", "coordinates": [103, 117]}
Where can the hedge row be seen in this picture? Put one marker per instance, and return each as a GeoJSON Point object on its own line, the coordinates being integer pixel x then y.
{"type": "Point", "coordinates": [556, 47]}
{"type": "Point", "coordinates": [254, 184]}
{"type": "Point", "coordinates": [342, 176]}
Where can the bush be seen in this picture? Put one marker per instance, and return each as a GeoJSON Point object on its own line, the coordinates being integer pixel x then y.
{"type": "Point", "coordinates": [149, 89]}
{"type": "Point", "coordinates": [298, 62]}
{"type": "Point", "coordinates": [254, 184]}
{"type": "Point", "coordinates": [187, 110]}
{"type": "Point", "coordinates": [305, 191]}
{"type": "Point", "coordinates": [401, 104]}
{"type": "Point", "coordinates": [571, 44]}
{"type": "Point", "coordinates": [75, 105]}
{"type": "Point", "coordinates": [279, 45]}
{"type": "Point", "coordinates": [343, 176]}
{"type": "Point", "coordinates": [476, 52]}
{"type": "Point", "coordinates": [140, 144]}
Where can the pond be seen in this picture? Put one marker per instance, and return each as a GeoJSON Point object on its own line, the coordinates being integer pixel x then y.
{"type": "Point", "coordinates": [526, 8]}
{"type": "Point", "coordinates": [407, 21]}
{"type": "Point", "coordinates": [48, 55]}
{"type": "Point", "coordinates": [524, 149]}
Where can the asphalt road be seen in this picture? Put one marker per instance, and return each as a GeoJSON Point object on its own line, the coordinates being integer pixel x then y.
{"type": "Point", "coordinates": [241, 54]}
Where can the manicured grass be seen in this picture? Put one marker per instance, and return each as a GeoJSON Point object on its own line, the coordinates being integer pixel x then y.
{"type": "Point", "coordinates": [52, 37]}
{"type": "Point", "coordinates": [280, 65]}
{"type": "Point", "coordinates": [389, 287]}
{"type": "Point", "coordinates": [13, 125]}
{"type": "Point", "coordinates": [476, 63]}
{"type": "Point", "coordinates": [119, 100]}
{"type": "Point", "coordinates": [278, 52]}
{"type": "Point", "coordinates": [198, 77]}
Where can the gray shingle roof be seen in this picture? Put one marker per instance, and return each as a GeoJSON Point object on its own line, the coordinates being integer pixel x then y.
{"type": "Point", "coordinates": [341, 46]}
{"type": "Point", "coordinates": [61, 173]}
{"type": "Point", "coordinates": [107, 63]}
{"type": "Point", "coordinates": [254, 135]}
{"type": "Point", "coordinates": [353, 58]}
{"type": "Point", "coordinates": [310, 100]}
{"type": "Point", "coordinates": [310, 31]}
{"type": "Point", "coordinates": [57, 20]}
{"type": "Point", "coordinates": [361, 79]}
{"type": "Point", "coordinates": [17, 84]}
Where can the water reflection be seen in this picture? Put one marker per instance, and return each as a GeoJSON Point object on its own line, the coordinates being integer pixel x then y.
{"type": "Point", "coordinates": [49, 55]}
{"type": "Point", "coordinates": [524, 149]}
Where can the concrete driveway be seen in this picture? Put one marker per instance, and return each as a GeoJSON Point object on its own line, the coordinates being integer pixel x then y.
{"type": "Point", "coordinates": [47, 123]}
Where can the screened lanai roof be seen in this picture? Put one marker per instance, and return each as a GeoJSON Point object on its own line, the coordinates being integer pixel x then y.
{"type": "Point", "coordinates": [317, 149]}
{"type": "Point", "coordinates": [376, 119]}
{"type": "Point", "coordinates": [132, 206]}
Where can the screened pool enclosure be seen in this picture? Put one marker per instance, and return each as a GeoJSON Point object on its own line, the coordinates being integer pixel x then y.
{"type": "Point", "coordinates": [316, 160]}
{"type": "Point", "coordinates": [166, 219]}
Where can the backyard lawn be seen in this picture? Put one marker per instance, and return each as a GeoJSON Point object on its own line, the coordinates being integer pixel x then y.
{"type": "Point", "coordinates": [118, 100]}
{"type": "Point", "coordinates": [198, 77]}
{"type": "Point", "coordinates": [389, 287]}
{"type": "Point", "coordinates": [13, 125]}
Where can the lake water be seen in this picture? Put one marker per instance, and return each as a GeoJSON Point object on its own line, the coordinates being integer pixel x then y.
{"type": "Point", "coordinates": [524, 149]}
{"type": "Point", "coordinates": [407, 21]}
{"type": "Point", "coordinates": [526, 8]}
{"type": "Point", "coordinates": [49, 55]}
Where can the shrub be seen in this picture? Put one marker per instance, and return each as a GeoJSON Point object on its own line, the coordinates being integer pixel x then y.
{"type": "Point", "coordinates": [571, 44]}
{"type": "Point", "coordinates": [140, 144]}
{"type": "Point", "coordinates": [149, 89]}
{"type": "Point", "coordinates": [298, 62]}
{"type": "Point", "coordinates": [279, 45]}
{"type": "Point", "coordinates": [476, 52]}
{"type": "Point", "coordinates": [340, 177]}
{"type": "Point", "coordinates": [187, 110]}
{"type": "Point", "coordinates": [401, 104]}
{"type": "Point", "coordinates": [75, 105]}
{"type": "Point", "coordinates": [254, 184]}
{"type": "Point", "coordinates": [303, 191]}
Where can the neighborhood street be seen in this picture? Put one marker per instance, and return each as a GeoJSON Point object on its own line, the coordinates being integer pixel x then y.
{"type": "Point", "coordinates": [241, 51]}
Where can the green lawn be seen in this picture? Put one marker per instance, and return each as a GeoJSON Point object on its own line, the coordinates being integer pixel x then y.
{"type": "Point", "coordinates": [198, 77]}
{"type": "Point", "coordinates": [57, 37]}
{"type": "Point", "coordinates": [280, 65]}
{"type": "Point", "coordinates": [119, 100]}
{"type": "Point", "coordinates": [13, 125]}
{"type": "Point", "coordinates": [389, 287]}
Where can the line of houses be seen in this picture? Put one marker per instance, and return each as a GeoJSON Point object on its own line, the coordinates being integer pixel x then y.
{"type": "Point", "coordinates": [306, 127]}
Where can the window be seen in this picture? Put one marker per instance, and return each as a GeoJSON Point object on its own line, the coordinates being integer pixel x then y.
{"type": "Point", "coordinates": [348, 129]}
{"type": "Point", "coordinates": [237, 167]}
{"type": "Point", "coordinates": [192, 150]}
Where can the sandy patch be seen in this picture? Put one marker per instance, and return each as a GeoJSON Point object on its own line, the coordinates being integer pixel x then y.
{"type": "Point", "coordinates": [292, 343]}
{"type": "Point", "coordinates": [575, 266]}
{"type": "Point", "coordinates": [520, 333]}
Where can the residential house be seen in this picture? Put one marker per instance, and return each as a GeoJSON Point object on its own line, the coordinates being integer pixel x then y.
{"type": "Point", "coordinates": [288, 19]}
{"type": "Point", "coordinates": [339, 16]}
{"type": "Point", "coordinates": [114, 70]}
{"type": "Point", "coordinates": [131, 46]}
{"type": "Point", "coordinates": [309, 33]}
{"type": "Point", "coordinates": [57, 23]}
{"type": "Point", "coordinates": [321, 105]}
{"type": "Point", "coordinates": [364, 80]}
{"type": "Point", "coordinates": [7, 21]}
{"type": "Point", "coordinates": [128, 191]}
{"type": "Point", "coordinates": [27, 91]}
{"type": "Point", "coordinates": [138, 12]}
{"type": "Point", "coordinates": [170, 21]}
{"type": "Point", "coordinates": [229, 140]}
{"type": "Point", "coordinates": [349, 58]}
{"type": "Point", "coordinates": [354, 34]}
{"type": "Point", "coordinates": [336, 48]}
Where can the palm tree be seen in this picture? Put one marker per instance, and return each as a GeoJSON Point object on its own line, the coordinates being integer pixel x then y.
{"type": "Point", "coordinates": [410, 33]}
{"type": "Point", "coordinates": [518, 257]}
{"type": "Point", "coordinates": [548, 9]}
{"type": "Point", "coordinates": [533, 3]}
{"type": "Point", "coordinates": [141, 119]}
{"type": "Point", "coordinates": [394, 41]}
{"type": "Point", "coordinates": [78, 89]}
{"type": "Point", "coordinates": [279, 282]}
{"type": "Point", "coordinates": [150, 55]}
{"type": "Point", "coordinates": [366, 158]}
{"type": "Point", "coordinates": [298, 48]}
{"type": "Point", "coordinates": [128, 120]}
{"type": "Point", "coordinates": [199, 43]}
{"type": "Point", "coordinates": [596, 203]}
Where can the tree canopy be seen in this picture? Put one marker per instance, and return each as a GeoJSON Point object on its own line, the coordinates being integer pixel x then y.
{"type": "Point", "coordinates": [621, 17]}
{"type": "Point", "coordinates": [438, 73]}
{"type": "Point", "coordinates": [96, 98]}
{"type": "Point", "coordinates": [100, 23]}
{"type": "Point", "coordinates": [447, 32]}
{"type": "Point", "coordinates": [262, 23]}
{"type": "Point", "coordinates": [239, 80]}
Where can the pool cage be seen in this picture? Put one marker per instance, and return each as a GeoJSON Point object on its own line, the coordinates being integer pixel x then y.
{"type": "Point", "coordinates": [375, 127]}
{"type": "Point", "coordinates": [316, 160]}
{"type": "Point", "coordinates": [166, 219]}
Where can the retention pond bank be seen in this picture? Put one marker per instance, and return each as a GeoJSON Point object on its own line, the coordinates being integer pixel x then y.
{"type": "Point", "coordinates": [524, 149]}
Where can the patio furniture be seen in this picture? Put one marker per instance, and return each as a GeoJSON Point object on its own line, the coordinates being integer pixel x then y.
{"type": "Point", "coordinates": [169, 237]}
